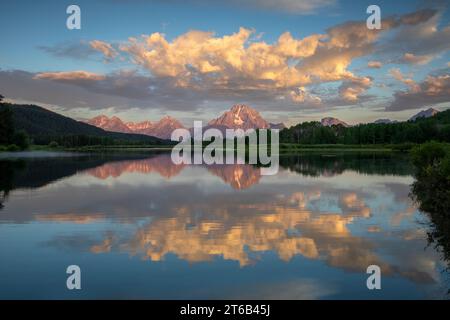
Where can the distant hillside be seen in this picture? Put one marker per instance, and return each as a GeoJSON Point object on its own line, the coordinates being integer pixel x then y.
{"type": "Point", "coordinates": [385, 121]}
{"type": "Point", "coordinates": [44, 126]}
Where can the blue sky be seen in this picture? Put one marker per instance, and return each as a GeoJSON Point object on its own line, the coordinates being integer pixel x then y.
{"type": "Point", "coordinates": [198, 77]}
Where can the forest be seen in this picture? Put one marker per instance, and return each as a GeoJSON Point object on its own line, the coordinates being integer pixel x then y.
{"type": "Point", "coordinates": [424, 129]}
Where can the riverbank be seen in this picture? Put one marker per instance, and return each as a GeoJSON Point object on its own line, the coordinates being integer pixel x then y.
{"type": "Point", "coordinates": [285, 148]}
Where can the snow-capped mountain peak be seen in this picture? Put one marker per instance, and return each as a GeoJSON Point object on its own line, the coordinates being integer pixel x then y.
{"type": "Point", "coordinates": [240, 116]}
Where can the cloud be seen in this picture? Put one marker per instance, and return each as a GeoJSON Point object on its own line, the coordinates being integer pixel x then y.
{"type": "Point", "coordinates": [350, 90]}
{"type": "Point", "coordinates": [198, 59]}
{"type": "Point", "coordinates": [70, 76]}
{"type": "Point", "coordinates": [199, 69]}
{"type": "Point", "coordinates": [417, 17]}
{"type": "Point", "coordinates": [397, 75]}
{"type": "Point", "coordinates": [301, 7]}
{"type": "Point", "coordinates": [292, 6]}
{"type": "Point", "coordinates": [68, 90]}
{"type": "Point", "coordinates": [416, 59]}
{"type": "Point", "coordinates": [300, 95]}
{"type": "Point", "coordinates": [105, 48]}
{"type": "Point", "coordinates": [420, 39]}
{"type": "Point", "coordinates": [433, 90]}
{"type": "Point", "coordinates": [74, 50]}
{"type": "Point", "coordinates": [375, 64]}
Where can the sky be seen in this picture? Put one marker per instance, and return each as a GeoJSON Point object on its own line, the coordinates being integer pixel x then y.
{"type": "Point", "coordinates": [291, 60]}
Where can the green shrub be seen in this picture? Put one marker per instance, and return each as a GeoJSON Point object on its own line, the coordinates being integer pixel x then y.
{"type": "Point", "coordinates": [21, 140]}
{"type": "Point", "coordinates": [12, 148]}
{"type": "Point", "coordinates": [53, 144]}
{"type": "Point", "coordinates": [428, 154]}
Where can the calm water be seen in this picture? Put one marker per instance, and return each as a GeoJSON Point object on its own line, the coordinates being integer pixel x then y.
{"type": "Point", "coordinates": [141, 227]}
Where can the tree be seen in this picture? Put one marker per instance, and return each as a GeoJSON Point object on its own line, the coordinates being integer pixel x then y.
{"type": "Point", "coordinates": [21, 139]}
{"type": "Point", "coordinates": [1, 98]}
{"type": "Point", "coordinates": [6, 125]}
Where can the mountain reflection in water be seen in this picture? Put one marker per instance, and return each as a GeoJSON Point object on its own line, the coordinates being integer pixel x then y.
{"type": "Point", "coordinates": [340, 212]}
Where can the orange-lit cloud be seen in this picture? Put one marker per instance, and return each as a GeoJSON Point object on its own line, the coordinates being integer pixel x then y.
{"type": "Point", "coordinates": [397, 75]}
{"type": "Point", "coordinates": [416, 59]}
{"type": "Point", "coordinates": [70, 76]}
{"type": "Point", "coordinates": [184, 72]}
{"type": "Point", "coordinates": [434, 89]}
{"type": "Point", "coordinates": [375, 64]}
{"type": "Point", "coordinates": [105, 48]}
{"type": "Point", "coordinates": [351, 90]}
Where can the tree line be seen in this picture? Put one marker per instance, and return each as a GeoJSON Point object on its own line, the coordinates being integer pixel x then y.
{"type": "Point", "coordinates": [10, 138]}
{"type": "Point", "coordinates": [419, 131]}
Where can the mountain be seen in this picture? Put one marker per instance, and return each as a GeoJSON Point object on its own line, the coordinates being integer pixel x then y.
{"type": "Point", "coordinates": [279, 126]}
{"type": "Point", "coordinates": [330, 121]}
{"type": "Point", "coordinates": [430, 112]}
{"type": "Point", "coordinates": [139, 126]}
{"type": "Point", "coordinates": [384, 121]}
{"type": "Point", "coordinates": [240, 116]}
{"type": "Point", "coordinates": [161, 129]}
{"type": "Point", "coordinates": [44, 126]}
{"type": "Point", "coordinates": [114, 124]}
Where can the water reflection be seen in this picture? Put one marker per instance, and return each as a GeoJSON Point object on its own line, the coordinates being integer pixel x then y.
{"type": "Point", "coordinates": [338, 211]}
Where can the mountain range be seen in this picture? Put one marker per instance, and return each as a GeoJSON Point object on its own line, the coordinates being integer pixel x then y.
{"type": "Point", "coordinates": [240, 116]}
{"type": "Point", "coordinates": [44, 125]}
{"type": "Point", "coordinates": [161, 129]}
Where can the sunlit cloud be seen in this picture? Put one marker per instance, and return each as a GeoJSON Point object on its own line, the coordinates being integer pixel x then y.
{"type": "Point", "coordinates": [433, 90]}
{"type": "Point", "coordinates": [202, 69]}
{"type": "Point", "coordinates": [351, 90]}
{"type": "Point", "coordinates": [105, 48]}
{"type": "Point", "coordinates": [416, 59]}
{"type": "Point", "coordinates": [375, 64]}
{"type": "Point", "coordinates": [70, 76]}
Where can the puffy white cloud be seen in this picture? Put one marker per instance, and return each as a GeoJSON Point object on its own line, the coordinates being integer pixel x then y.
{"type": "Point", "coordinates": [200, 60]}
{"type": "Point", "coordinates": [228, 62]}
